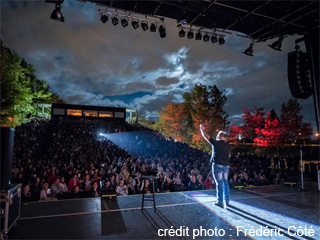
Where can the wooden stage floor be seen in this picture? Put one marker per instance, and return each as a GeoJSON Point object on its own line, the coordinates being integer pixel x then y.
{"type": "Point", "coordinates": [270, 212]}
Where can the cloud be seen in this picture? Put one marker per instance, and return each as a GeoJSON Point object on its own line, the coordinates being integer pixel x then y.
{"type": "Point", "coordinates": [164, 81]}
{"type": "Point", "coordinates": [88, 62]}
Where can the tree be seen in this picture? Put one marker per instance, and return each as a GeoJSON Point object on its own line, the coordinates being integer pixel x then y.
{"type": "Point", "coordinates": [235, 132]}
{"type": "Point", "coordinates": [252, 119]}
{"type": "Point", "coordinates": [270, 134]}
{"type": "Point", "coordinates": [21, 91]}
{"type": "Point", "coordinates": [294, 128]}
{"type": "Point", "coordinates": [173, 122]}
{"type": "Point", "coordinates": [15, 91]}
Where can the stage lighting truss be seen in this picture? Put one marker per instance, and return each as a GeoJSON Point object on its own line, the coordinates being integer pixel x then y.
{"type": "Point", "coordinates": [153, 22]}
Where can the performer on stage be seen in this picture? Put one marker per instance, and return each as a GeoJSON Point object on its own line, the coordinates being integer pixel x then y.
{"type": "Point", "coordinates": [220, 164]}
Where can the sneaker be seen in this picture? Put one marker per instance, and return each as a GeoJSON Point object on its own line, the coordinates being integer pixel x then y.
{"type": "Point", "coordinates": [218, 204]}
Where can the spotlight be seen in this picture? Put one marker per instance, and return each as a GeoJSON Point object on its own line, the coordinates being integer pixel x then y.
{"type": "Point", "coordinates": [115, 21]}
{"type": "Point", "coordinates": [153, 27]}
{"type": "Point", "coordinates": [249, 50]}
{"type": "Point", "coordinates": [277, 44]}
{"type": "Point", "coordinates": [104, 18]}
{"type": "Point", "coordinates": [206, 38]}
{"type": "Point", "coordinates": [182, 33]}
{"type": "Point", "coordinates": [190, 34]}
{"type": "Point", "coordinates": [124, 22]}
{"type": "Point", "coordinates": [214, 39]}
{"type": "Point", "coordinates": [101, 134]}
{"type": "Point", "coordinates": [221, 40]}
{"type": "Point", "coordinates": [135, 23]}
{"type": "Point", "coordinates": [57, 14]}
{"type": "Point", "coordinates": [144, 26]}
{"type": "Point", "coordinates": [162, 31]}
{"type": "Point", "coordinates": [198, 36]}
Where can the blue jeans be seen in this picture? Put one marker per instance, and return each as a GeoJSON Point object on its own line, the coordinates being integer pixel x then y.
{"type": "Point", "coordinates": [220, 174]}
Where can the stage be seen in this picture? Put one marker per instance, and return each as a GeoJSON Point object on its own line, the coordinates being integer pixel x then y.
{"type": "Point", "coordinates": [269, 212]}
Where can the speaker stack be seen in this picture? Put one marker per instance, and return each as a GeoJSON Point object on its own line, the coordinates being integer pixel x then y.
{"type": "Point", "coordinates": [299, 75]}
{"type": "Point", "coordinates": [7, 139]}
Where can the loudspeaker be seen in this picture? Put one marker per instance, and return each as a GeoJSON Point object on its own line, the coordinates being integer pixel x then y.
{"type": "Point", "coordinates": [299, 75]}
{"type": "Point", "coordinates": [6, 149]}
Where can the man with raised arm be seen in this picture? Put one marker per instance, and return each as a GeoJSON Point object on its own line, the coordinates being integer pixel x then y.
{"type": "Point", "coordinates": [220, 164]}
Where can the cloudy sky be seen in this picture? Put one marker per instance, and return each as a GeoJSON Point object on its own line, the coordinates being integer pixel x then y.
{"type": "Point", "coordinates": [91, 63]}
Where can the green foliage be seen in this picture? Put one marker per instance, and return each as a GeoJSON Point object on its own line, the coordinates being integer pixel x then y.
{"type": "Point", "coordinates": [21, 91]}
{"type": "Point", "coordinates": [201, 105]}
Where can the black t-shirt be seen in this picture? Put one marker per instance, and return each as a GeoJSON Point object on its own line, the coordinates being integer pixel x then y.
{"type": "Point", "coordinates": [221, 150]}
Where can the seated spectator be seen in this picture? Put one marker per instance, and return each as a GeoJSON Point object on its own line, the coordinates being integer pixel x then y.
{"type": "Point", "coordinates": [95, 191]}
{"type": "Point", "coordinates": [278, 179]}
{"type": "Point", "coordinates": [132, 188]}
{"type": "Point", "coordinates": [74, 182]}
{"type": "Point", "coordinates": [262, 181]}
{"type": "Point", "coordinates": [75, 193]}
{"type": "Point", "coordinates": [209, 183]}
{"type": "Point", "coordinates": [193, 184]}
{"type": "Point", "coordinates": [113, 182]}
{"type": "Point", "coordinates": [199, 178]}
{"type": "Point", "coordinates": [56, 191]}
{"type": "Point", "coordinates": [246, 181]}
{"type": "Point", "coordinates": [235, 181]}
{"type": "Point", "coordinates": [160, 179]}
{"type": "Point", "coordinates": [26, 194]}
{"type": "Point", "coordinates": [36, 189]}
{"type": "Point", "coordinates": [45, 193]}
{"type": "Point", "coordinates": [122, 189]}
{"type": "Point", "coordinates": [86, 185]}
{"type": "Point", "coordinates": [63, 185]}
{"type": "Point", "coordinates": [124, 174]}
{"type": "Point", "coordinates": [167, 184]}
{"type": "Point", "coordinates": [52, 178]}
{"type": "Point", "coordinates": [177, 183]}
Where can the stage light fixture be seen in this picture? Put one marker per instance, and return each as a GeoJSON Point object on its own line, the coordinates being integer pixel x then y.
{"type": "Point", "coordinates": [198, 36]}
{"type": "Point", "coordinates": [182, 33]}
{"type": "Point", "coordinates": [249, 50]}
{"type": "Point", "coordinates": [135, 23]}
{"type": "Point", "coordinates": [206, 38]}
{"type": "Point", "coordinates": [153, 27]}
{"type": "Point", "coordinates": [277, 44]}
{"type": "Point", "coordinates": [57, 14]}
{"type": "Point", "coordinates": [104, 18]}
{"type": "Point", "coordinates": [144, 26]}
{"type": "Point", "coordinates": [115, 21]}
{"type": "Point", "coordinates": [221, 40]}
{"type": "Point", "coordinates": [190, 34]}
{"type": "Point", "coordinates": [162, 31]}
{"type": "Point", "coordinates": [124, 22]}
{"type": "Point", "coordinates": [214, 39]}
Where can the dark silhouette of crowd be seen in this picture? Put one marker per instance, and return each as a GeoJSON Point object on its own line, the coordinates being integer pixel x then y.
{"type": "Point", "coordinates": [64, 158]}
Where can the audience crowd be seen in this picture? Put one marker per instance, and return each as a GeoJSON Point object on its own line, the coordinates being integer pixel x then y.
{"type": "Point", "coordinates": [65, 159]}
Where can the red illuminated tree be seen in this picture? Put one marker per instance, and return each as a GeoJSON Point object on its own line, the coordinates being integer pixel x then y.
{"type": "Point", "coordinates": [270, 133]}
{"type": "Point", "coordinates": [252, 119]}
